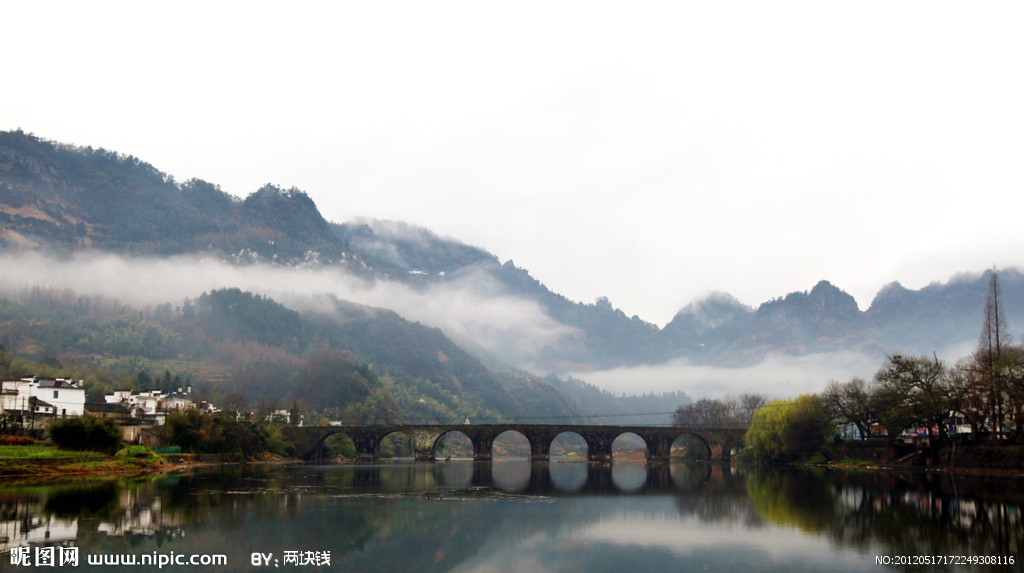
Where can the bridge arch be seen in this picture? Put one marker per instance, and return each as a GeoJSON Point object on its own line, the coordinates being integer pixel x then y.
{"type": "Point", "coordinates": [335, 444]}
{"type": "Point", "coordinates": [690, 439]}
{"type": "Point", "coordinates": [454, 441]}
{"type": "Point", "coordinates": [515, 443]}
{"type": "Point", "coordinates": [628, 441]}
{"type": "Point", "coordinates": [395, 444]}
{"type": "Point", "coordinates": [569, 444]}
{"type": "Point", "coordinates": [365, 445]}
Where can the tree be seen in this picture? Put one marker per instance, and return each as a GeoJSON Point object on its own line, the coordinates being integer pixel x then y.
{"type": "Point", "coordinates": [703, 412]}
{"type": "Point", "coordinates": [784, 430]}
{"type": "Point", "coordinates": [989, 356]}
{"type": "Point", "coordinates": [1012, 360]}
{"type": "Point", "coordinates": [749, 403]}
{"type": "Point", "coordinates": [234, 403]}
{"type": "Point", "coordinates": [807, 426]}
{"type": "Point", "coordinates": [850, 403]}
{"type": "Point", "coordinates": [915, 391]}
{"type": "Point", "coordinates": [711, 411]}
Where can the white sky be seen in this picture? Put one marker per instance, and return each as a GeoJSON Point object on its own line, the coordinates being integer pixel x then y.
{"type": "Point", "coordinates": [649, 152]}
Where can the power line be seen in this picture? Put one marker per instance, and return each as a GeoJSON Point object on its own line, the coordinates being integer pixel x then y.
{"type": "Point", "coordinates": [520, 420]}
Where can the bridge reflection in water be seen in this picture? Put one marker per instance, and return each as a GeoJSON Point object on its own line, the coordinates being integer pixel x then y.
{"type": "Point", "coordinates": [523, 477]}
{"type": "Point", "coordinates": [718, 440]}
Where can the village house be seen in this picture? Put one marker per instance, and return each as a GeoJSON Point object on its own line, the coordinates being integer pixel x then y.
{"type": "Point", "coordinates": [153, 406]}
{"type": "Point", "coordinates": [34, 400]}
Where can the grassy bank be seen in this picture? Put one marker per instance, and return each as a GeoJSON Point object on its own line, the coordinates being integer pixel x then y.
{"type": "Point", "coordinates": [979, 459]}
{"type": "Point", "coordinates": [41, 452]}
{"type": "Point", "coordinates": [44, 460]}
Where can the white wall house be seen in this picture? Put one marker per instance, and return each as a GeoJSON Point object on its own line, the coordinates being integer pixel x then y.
{"type": "Point", "coordinates": [54, 397]}
{"type": "Point", "coordinates": [154, 405]}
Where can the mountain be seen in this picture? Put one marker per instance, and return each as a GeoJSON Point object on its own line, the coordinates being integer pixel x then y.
{"type": "Point", "coordinates": [602, 336]}
{"type": "Point", "coordinates": [707, 322]}
{"type": "Point", "coordinates": [62, 199]}
{"type": "Point", "coordinates": [942, 318]}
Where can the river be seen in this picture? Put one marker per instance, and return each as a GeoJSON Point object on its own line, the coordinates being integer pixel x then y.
{"type": "Point", "coordinates": [514, 516]}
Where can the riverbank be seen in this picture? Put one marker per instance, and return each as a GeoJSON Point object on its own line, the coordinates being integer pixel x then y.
{"type": "Point", "coordinates": [968, 459]}
{"type": "Point", "coordinates": [14, 472]}
{"type": "Point", "coordinates": [45, 463]}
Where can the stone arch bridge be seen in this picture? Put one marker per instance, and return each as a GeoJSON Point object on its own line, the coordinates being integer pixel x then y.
{"type": "Point", "coordinates": [719, 440]}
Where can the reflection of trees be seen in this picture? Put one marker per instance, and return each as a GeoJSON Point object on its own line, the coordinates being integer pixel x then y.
{"type": "Point", "coordinates": [95, 500]}
{"type": "Point", "coordinates": [899, 514]}
{"type": "Point", "coordinates": [713, 492]}
{"type": "Point", "coordinates": [792, 498]}
{"type": "Point", "coordinates": [929, 514]}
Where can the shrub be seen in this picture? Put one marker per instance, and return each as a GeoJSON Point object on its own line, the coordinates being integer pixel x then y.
{"type": "Point", "coordinates": [17, 441]}
{"type": "Point", "coordinates": [87, 433]}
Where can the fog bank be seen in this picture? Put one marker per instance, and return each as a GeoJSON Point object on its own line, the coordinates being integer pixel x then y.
{"type": "Point", "coordinates": [466, 309]}
{"type": "Point", "coordinates": [778, 376]}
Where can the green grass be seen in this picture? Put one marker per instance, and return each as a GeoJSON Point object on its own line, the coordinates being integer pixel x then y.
{"type": "Point", "coordinates": [139, 454]}
{"type": "Point", "coordinates": [59, 470]}
{"type": "Point", "coordinates": [23, 452]}
{"type": "Point", "coordinates": [852, 465]}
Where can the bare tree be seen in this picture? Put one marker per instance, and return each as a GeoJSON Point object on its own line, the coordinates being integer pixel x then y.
{"type": "Point", "coordinates": [234, 403]}
{"type": "Point", "coordinates": [718, 412]}
{"type": "Point", "coordinates": [850, 403]}
{"type": "Point", "coordinates": [990, 364]}
{"type": "Point", "coordinates": [750, 403]}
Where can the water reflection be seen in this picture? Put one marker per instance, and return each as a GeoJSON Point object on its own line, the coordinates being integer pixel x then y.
{"type": "Point", "coordinates": [568, 477]}
{"type": "Point", "coordinates": [465, 516]}
{"type": "Point", "coordinates": [629, 477]}
{"type": "Point", "coordinates": [511, 476]}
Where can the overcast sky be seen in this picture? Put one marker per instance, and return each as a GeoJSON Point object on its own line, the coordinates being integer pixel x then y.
{"type": "Point", "coordinates": [647, 152]}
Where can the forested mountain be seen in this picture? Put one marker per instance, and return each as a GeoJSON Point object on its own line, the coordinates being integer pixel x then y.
{"type": "Point", "coordinates": [56, 198]}
{"type": "Point", "coordinates": [356, 362]}
{"type": "Point", "coordinates": [64, 198]}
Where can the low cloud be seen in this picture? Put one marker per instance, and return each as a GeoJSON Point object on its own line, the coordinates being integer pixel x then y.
{"type": "Point", "coordinates": [467, 309]}
{"type": "Point", "coordinates": [778, 376]}
{"type": "Point", "coordinates": [470, 309]}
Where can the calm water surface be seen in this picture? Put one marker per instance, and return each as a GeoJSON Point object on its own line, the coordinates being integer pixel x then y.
{"type": "Point", "coordinates": [517, 516]}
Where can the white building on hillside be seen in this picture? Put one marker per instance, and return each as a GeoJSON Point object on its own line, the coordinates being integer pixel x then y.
{"type": "Point", "coordinates": [43, 397]}
{"type": "Point", "coordinates": [154, 405]}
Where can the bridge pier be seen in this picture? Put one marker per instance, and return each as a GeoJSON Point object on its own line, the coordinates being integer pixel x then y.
{"type": "Point", "coordinates": [659, 449]}
{"type": "Point", "coordinates": [720, 453]}
{"type": "Point", "coordinates": [423, 441]}
{"type": "Point", "coordinates": [599, 447]}
{"type": "Point", "coordinates": [366, 448]}
{"type": "Point", "coordinates": [483, 445]}
{"type": "Point", "coordinates": [540, 450]}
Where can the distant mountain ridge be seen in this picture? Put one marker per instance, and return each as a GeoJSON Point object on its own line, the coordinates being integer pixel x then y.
{"type": "Point", "coordinates": [63, 199]}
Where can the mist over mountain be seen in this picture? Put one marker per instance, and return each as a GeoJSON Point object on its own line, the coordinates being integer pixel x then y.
{"type": "Point", "coordinates": [94, 211]}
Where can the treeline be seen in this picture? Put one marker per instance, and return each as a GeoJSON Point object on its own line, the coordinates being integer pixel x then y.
{"type": "Point", "coordinates": [982, 393]}
{"type": "Point", "coordinates": [197, 432]}
{"type": "Point", "coordinates": [979, 397]}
